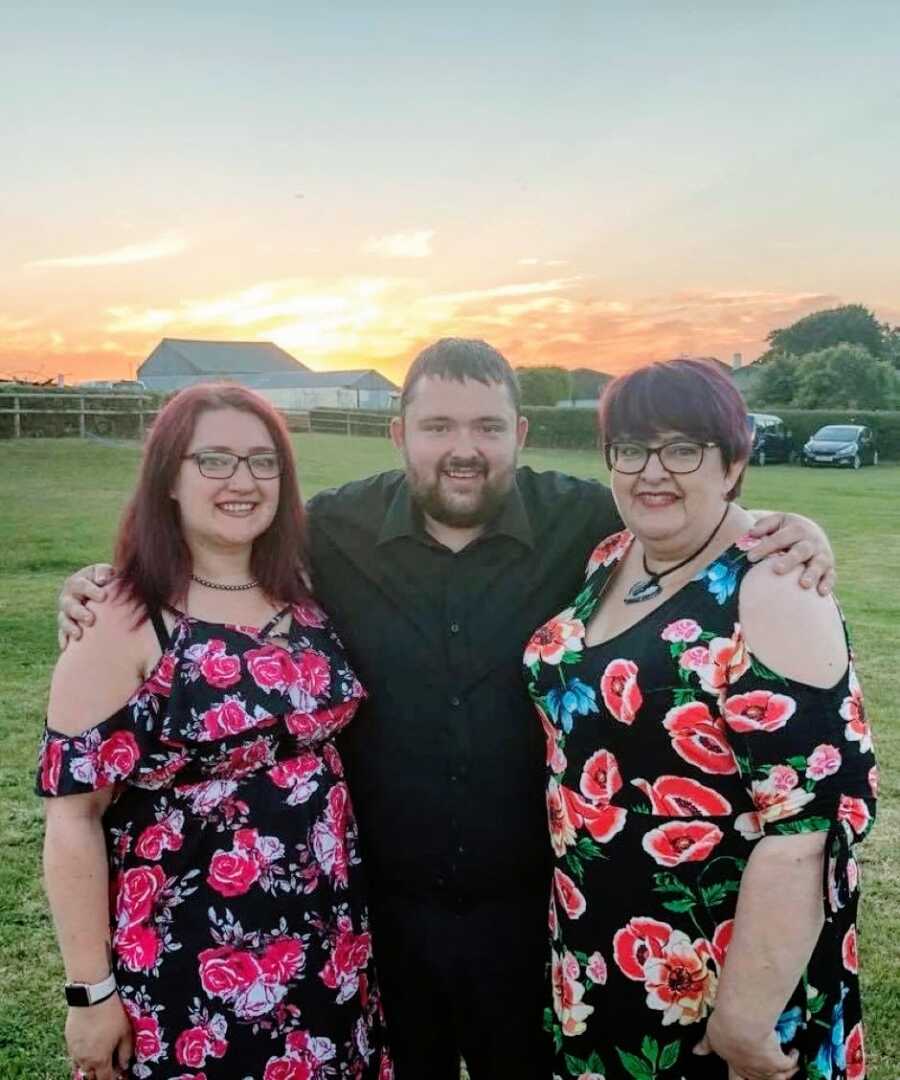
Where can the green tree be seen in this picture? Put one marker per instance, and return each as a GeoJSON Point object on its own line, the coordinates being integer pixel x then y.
{"type": "Point", "coordinates": [852, 324]}
{"type": "Point", "coordinates": [544, 385]}
{"type": "Point", "coordinates": [776, 383]}
{"type": "Point", "coordinates": [890, 336]}
{"type": "Point", "coordinates": [843, 375]}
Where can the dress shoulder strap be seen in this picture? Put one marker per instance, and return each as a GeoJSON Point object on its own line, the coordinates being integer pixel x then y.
{"type": "Point", "coordinates": [162, 631]}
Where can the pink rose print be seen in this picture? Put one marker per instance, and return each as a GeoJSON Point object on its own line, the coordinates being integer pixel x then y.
{"type": "Point", "coordinates": [681, 841]}
{"type": "Point", "coordinates": [138, 947]}
{"type": "Point", "coordinates": [350, 954]}
{"type": "Point", "coordinates": [232, 873]}
{"type": "Point", "coordinates": [758, 711]}
{"type": "Point", "coordinates": [51, 763]}
{"type": "Point", "coordinates": [160, 682]}
{"type": "Point", "coordinates": [148, 1042]}
{"type": "Point", "coordinates": [308, 613]}
{"type": "Point", "coordinates": [226, 971]}
{"type": "Point", "coordinates": [194, 1045]}
{"type": "Point", "coordinates": [138, 888]}
{"type": "Point", "coordinates": [569, 895]}
{"type": "Point", "coordinates": [694, 659]}
{"type": "Point", "coordinates": [117, 756]}
{"type": "Point", "coordinates": [296, 774]}
{"type": "Point", "coordinates": [555, 638]}
{"type": "Point", "coordinates": [620, 690]}
{"type": "Point", "coordinates": [313, 673]}
{"type": "Point", "coordinates": [229, 718]}
{"type": "Point", "coordinates": [288, 1068]}
{"type": "Point", "coordinates": [682, 630]}
{"type": "Point", "coordinates": [165, 835]}
{"type": "Point", "coordinates": [824, 761]}
{"type": "Point", "coordinates": [282, 960]}
{"type": "Point", "coordinates": [270, 667]}
{"type": "Point", "coordinates": [219, 668]}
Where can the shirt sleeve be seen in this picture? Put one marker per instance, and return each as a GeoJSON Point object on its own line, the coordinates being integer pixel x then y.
{"type": "Point", "coordinates": [804, 753]}
{"type": "Point", "coordinates": [108, 753]}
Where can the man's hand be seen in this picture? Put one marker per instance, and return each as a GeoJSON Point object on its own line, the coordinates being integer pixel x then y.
{"type": "Point", "coordinates": [748, 1060]}
{"type": "Point", "coordinates": [85, 584]}
{"type": "Point", "coordinates": [800, 542]}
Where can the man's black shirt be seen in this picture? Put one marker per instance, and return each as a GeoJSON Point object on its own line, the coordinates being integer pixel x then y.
{"type": "Point", "coordinates": [446, 758]}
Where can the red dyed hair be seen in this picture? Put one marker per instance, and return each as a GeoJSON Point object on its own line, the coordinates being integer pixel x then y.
{"type": "Point", "coordinates": [694, 397]}
{"type": "Point", "coordinates": [152, 557]}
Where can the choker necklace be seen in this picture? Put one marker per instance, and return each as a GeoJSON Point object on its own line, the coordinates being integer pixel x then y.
{"type": "Point", "coordinates": [224, 588]}
{"type": "Point", "coordinates": [650, 586]}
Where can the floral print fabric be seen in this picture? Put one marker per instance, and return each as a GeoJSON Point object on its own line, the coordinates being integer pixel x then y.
{"type": "Point", "coordinates": [240, 937]}
{"type": "Point", "coordinates": [671, 750]}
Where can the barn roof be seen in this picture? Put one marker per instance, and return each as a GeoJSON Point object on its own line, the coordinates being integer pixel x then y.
{"type": "Point", "coordinates": [361, 379]}
{"type": "Point", "coordinates": [224, 358]}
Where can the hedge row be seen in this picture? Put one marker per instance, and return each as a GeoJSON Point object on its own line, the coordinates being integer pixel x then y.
{"type": "Point", "coordinates": [58, 415]}
{"type": "Point", "coordinates": [576, 429]}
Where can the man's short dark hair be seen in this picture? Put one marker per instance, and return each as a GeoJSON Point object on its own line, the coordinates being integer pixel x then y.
{"type": "Point", "coordinates": [459, 359]}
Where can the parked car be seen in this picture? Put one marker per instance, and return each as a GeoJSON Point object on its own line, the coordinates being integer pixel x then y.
{"type": "Point", "coordinates": [843, 445]}
{"type": "Point", "coordinates": [771, 439]}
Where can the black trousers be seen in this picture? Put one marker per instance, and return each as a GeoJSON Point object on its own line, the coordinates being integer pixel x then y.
{"type": "Point", "coordinates": [469, 983]}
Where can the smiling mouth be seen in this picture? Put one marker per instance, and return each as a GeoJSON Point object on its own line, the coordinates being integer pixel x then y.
{"type": "Point", "coordinates": [657, 498]}
{"type": "Point", "coordinates": [236, 509]}
{"type": "Point", "coordinates": [458, 473]}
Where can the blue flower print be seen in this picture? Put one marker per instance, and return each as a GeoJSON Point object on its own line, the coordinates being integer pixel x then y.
{"type": "Point", "coordinates": [788, 1024]}
{"type": "Point", "coordinates": [721, 579]}
{"type": "Point", "coordinates": [574, 699]}
{"type": "Point", "coordinates": [832, 1056]}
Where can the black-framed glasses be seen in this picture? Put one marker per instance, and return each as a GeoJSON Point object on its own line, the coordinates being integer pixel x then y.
{"type": "Point", "coordinates": [679, 456]}
{"type": "Point", "coordinates": [222, 465]}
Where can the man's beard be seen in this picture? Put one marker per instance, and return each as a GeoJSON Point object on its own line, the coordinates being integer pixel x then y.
{"type": "Point", "coordinates": [427, 494]}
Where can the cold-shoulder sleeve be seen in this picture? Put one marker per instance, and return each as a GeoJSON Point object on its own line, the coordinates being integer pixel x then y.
{"type": "Point", "coordinates": [804, 753]}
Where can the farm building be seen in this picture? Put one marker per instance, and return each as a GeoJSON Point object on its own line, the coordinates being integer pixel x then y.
{"type": "Point", "coordinates": [263, 366]}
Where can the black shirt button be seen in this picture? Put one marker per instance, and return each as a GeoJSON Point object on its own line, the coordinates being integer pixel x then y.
{"type": "Point", "coordinates": [455, 702]}
{"type": "Point", "coordinates": [454, 628]}
{"type": "Point", "coordinates": [461, 850]}
{"type": "Point", "coordinates": [453, 778]}
{"type": "Point", "coordinates": [440, 881]}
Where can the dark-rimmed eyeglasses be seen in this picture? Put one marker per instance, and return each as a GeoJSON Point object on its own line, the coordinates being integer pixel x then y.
{"type": "Point", "coordinates": [221, 465]}
{"type": "Point", "coordinates": [679, 456]}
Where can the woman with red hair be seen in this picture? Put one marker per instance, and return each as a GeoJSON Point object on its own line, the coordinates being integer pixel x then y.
{"type": "Point", "coordinates": [200, 857]}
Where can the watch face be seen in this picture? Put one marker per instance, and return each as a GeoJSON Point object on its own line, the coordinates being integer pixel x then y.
{"type": "Point", "coordinates": [77, 995]}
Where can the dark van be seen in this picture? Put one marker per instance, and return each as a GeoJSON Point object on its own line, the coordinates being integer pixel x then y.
{"type": "Point", "coordinates": [771, 439]}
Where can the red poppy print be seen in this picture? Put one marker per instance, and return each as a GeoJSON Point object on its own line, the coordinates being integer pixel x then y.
{"type": "Point", "coordinates": [620, 690]}
{"type": "Point", "coordinates": [570, 897]}
{"type": "Point", "coordinates": [855, 812]}
{"type": "Point", "coordinates": [849, 953]}
{"type": "Point", "coordinates": [609, 551]}
{"type": "Point", "coordinates": [560, 818]}
{"type": "Point", "coordinates": [679, 981]}
{"type": "Point", "coordinates": [759, 710]}
{"type": "Point", "coordinates": [568, 994]}
{"type": "Point", "coordinates": [681, 796]}
{"type": "Point", "coordinates": [699, 738]}
{"type": "Point", "coordinates": [677, 842]}
{"type": "Point", "coordinates": [635, 943]}
{"type": "Point", "coordinates": [854, 712]}
{"type": "Point", "coordinates": [556, 758]}
{"type": "Point", "coordinates": [554, 639]}
{"type": "Point", "coordinates": [600, 777]}
{"type": "Point", "coordinates": [603, 821]}
{"type": "Point", "coordinates": [855, 1051]}
{"type": "Point", "coordinates": [721, 940]}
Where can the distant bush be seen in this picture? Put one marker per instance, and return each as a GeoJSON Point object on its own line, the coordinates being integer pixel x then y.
{"type": "Point", "coordinates": [576, 429]}
{"type": "Point", "coordinates": [59, 412]}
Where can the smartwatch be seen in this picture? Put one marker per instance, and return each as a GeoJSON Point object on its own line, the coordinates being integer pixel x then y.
{"type": "Point", "coordinates": [84, 994]}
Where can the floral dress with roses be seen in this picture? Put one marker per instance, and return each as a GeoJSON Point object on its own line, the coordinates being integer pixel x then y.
{"type": "Point", "coordinates": [671, 750]}
{"type": "Point", "coordinates": [240, 935]}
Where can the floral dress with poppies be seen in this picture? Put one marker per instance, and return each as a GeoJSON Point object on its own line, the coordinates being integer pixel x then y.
{"type": "Point", "coordinates": [671, 750]}
{"type": "Point", "coordinates": [240, 936]}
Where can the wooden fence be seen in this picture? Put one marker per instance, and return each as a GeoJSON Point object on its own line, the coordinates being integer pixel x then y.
{"type": "Point", "coordinates": [95, 414]}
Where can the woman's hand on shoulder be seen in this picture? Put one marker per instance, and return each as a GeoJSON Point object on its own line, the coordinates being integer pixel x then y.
{"type": "Point", "coordinates": [97, 674]}
{"type": "Point", "coordinates": [796, 632]}
{"type": "Point", "coordinates": [73, 613]}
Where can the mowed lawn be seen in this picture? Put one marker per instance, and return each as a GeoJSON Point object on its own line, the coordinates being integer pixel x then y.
{"type": "Point", "coordinates": [61, 502]}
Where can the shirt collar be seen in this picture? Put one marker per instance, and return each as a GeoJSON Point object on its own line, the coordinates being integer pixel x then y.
{"type": "Point", "coordinates": [403, 518]}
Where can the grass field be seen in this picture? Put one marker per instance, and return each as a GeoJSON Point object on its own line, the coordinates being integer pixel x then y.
{"type": "Point", "coordinates": [61, 501]}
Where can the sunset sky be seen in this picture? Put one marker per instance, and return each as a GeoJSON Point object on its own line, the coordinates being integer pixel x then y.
{"type": "Point", "coordinates": [583, 183]}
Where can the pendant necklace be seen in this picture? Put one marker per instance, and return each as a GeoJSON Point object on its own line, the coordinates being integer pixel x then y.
{"type": "Point", "coordinates": [650, 586]}
{"type": "Point", "coordinates": [224, 588]}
